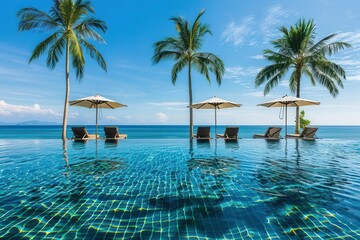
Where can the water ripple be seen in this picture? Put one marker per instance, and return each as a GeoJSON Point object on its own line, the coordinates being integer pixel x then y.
{"type": "Point", "coordinates": [155, 189]}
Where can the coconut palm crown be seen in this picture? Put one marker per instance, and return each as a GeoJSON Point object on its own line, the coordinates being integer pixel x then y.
{"type": "Point", "coordinates": [185, 50]}
{"type": "Point", "coordinates": [70, 24]}
{"type": "Point", "coordinates": [297, 52]}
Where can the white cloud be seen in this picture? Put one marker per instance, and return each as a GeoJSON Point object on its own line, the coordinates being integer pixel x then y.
{"type": "Point", "coordinates": [354, 78]}
{"type": "Point", "coordinates": [348, 62]}
{"type": "Point", "coordinates": [10, 110]}
{"type": "Point", "coordinates": [135, 119]}
{"type": "Point", "coordinates": [237, 33]}
{"type": "Point", "coordinates": [253, 32]}
{"type": "Point", "coordinates": [258, 57]}
{"type": "Point", "coordinates": [257, 94]}
{"type": "Point", "coordinates": [168, 103]}
{"type": "Point", "coordinates": [238, 73]}
{"type": "Point", "coordinates": [348, 58]}
{"type": "Point", "coordinates": [275, 16]}
{"type": "Point", "coordinates": [161, 117]}
{"type": "Point", "coordinates": [112, 118]}
{"type": "Point", "coordinates": [284, 83]}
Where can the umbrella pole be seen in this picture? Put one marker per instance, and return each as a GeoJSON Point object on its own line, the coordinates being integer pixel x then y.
{"type": "Point", "coordinates": [285, 121]}
{"type": "Point", "coordinates": [215, 124]}
{"type": "Point", "coordinates": [97, 109]}
{"type": "Point", "coordinates": [96, 136]}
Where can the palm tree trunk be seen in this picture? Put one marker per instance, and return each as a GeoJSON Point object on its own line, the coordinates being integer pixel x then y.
{"type": "Point", "coordinates": [67, 91]}
{"type": "Point", "coordinates": [297, 120]}
{"type": "Point", "coordinates": [190, 103]}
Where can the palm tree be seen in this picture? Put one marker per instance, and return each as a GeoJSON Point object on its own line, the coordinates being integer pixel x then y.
{"type": "Point", "coordinates": [71, 24]}
{"type": "Point", "coordinates": [297, 52]}
{"type": "Point", "coordinates": [184, 49]}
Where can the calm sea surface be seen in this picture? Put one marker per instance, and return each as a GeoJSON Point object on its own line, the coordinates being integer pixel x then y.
{"type": "Point", "coordinates": [158, 185]}
{"type": "Point", "coordinates": [165, 131]}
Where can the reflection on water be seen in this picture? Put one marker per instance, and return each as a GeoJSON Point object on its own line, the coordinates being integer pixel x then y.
{"type": "Point", "coordinates": [96, 167]}
{"type": "Point", "coordinates": [170, 189]}
{"type": "Point", "coordinates": [303, 190]}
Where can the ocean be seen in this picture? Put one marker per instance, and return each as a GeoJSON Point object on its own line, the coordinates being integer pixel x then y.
{"type": "Point", "coordinates": [165, 131]}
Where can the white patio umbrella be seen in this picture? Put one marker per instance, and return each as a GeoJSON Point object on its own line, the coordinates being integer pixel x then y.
{"type": "Point", "coordinates": [214, 103]}
{"type": "Point", "coordinates": [96, 102]}
{"type": "Point", "coordinates": [287, 101]}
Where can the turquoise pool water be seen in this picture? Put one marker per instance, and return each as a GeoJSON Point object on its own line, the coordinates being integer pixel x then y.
{"type": "Point", "coordinates": [169, 189]}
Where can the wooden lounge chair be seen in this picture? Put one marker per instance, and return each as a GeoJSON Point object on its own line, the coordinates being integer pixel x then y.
{"type": "Point", "coordinates": [308, 133]}
{"type": "Point", "coordinates": [231, 133]}
{"type": "Point", "coordinates": [271, 133]}
{"type": "Point", "coordinates": [81, 134]}
{"type": "Point", "coordinates": [203, 133]}
{"type": "Point", "coordinates": [112, 133]}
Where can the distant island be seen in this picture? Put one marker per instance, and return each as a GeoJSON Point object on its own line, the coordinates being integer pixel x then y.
{"type": "Point", "coordinates": [35, 122]}
{"type": "Point", "coordinates": [29, 123]}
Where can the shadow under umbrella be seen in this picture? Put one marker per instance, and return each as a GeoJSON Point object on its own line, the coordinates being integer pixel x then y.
{"type": "Point", "coordinates": [205, 181]}
{"type": "Point", "coordinates": [97, 167]}
{"type": "Point", "coordinates": [90, 165]}
{"type": "Point", "coordinates": [232, 144]}
{"type": "Point", "coordinates": [302, 192]}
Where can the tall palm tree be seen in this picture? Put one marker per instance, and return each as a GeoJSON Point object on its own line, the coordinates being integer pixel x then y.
{"type": "Point", "coordinates": [70, 24]}
{"type": "Point", "coordinates": [298, 53]}
{"type": "Point", "coordinates": [184, 49]}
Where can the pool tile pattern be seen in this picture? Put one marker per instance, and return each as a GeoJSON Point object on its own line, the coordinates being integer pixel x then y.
{"type": "Point", "coordinates": [170, 189]}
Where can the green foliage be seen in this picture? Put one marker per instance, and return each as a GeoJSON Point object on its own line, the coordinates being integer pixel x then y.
{"type": "Point", "coordinates": [71, 24]}
{"type": "Point", "coordinates": [184, 49]}
{"type": "Point", "coordinates": [303, 122]}
{"type": "Point", "coordinates": [297, 51]}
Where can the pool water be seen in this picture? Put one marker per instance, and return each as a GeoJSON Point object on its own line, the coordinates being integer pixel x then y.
{"type": "Point", "coordinates": [162, 189]}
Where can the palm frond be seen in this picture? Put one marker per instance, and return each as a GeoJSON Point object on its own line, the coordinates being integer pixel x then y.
{"type": "Point", "coordinates": [55, 52]}
{"type": "Point", "coordinates": [184, 48]}
{"type": "Point", "coordinates": [32, 18]}
{"type": "Point", "coordinates": [169, 44]}
{"type": "Point", "coordinates": [277, 57]}
{"type": "Point", "coordinates": [91, 23]}
{"type": "Point", "coordinates": [42, 46]}
{"type": "Point", "coordinates": [274, 81]}
{"type": "Point", "coordinates": [293, 82]}
{"type": "Point", "coordinates": [332, 70]}
{"type": "Point", "coordinates": [86, 29]}
{"type": "Point", "coordinates": [166, 54]}
{"type": "Point", "coordinates": [94, 54]}
{"type": "Point", "coordinates": [269, 72]}
{"type": "Point", "coordinates": [213, 62]}
{"type": "Point", "coordinates": [325, 81]}
{"type": "Point", "coordinates": [76, 53]}
{"type": "Point", "coordinates": [320, 44]}
{"type": "Point", "coordinates": [80, 11]}
{"type": "Point", "coordinates": [333, 48]}
{"type": "Point", "coordinates": [178, 66]}
{"type": "Point", "coordinates": [75, 46]}
{"type": "Point", "coordinates": [308, 73]}
{"type": "Point", "coordinates": [201, 67]}
{"type": "Point", "coordinates": [78, 64]}
{"type": "Point", "coordinates": [296, 48]}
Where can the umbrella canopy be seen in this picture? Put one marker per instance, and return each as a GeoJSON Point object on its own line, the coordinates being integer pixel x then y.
{"type": "Point", "coordinates": [214, 103]}
{"type": "Point", "coordinates": [288, 101]}
{"type": "Point", "coordinates": [96, 102]}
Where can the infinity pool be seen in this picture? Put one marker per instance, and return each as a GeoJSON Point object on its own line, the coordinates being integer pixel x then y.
{"type": "Point", "coordinates": [151, 189]}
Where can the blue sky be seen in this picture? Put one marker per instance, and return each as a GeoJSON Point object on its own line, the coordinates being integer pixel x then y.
{"type": "Point", "coordinates": [241, 30]}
